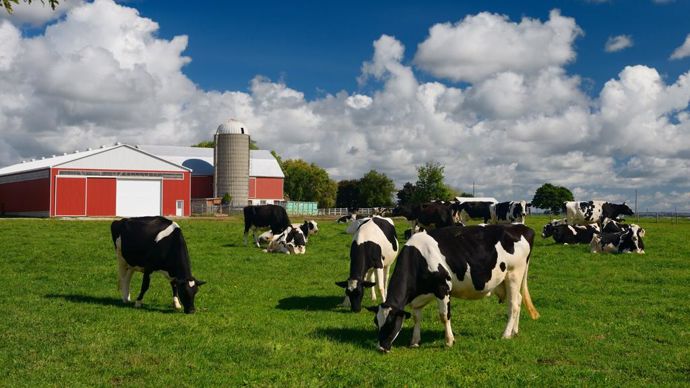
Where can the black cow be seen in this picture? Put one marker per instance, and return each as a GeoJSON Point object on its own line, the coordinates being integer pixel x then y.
{"type": "Point", "coordinates": [582, 213]}
{"type": "Point", "coordinates": [373, 250]}
{"type": "Point", "coordinates": [148, 244]}
{"type": "Point", "coordinates": [271, 217]}
{"type": "Point", "coordinates": [428, 215]}
{"type": "Point", "coordinates": [470, 210]}
{"type": "Point", "coordinates": [628, 241]}
{"type": "Point", "coordinates": [509, 212]}
{"type": "Point", "coordinates": [570, 234]}
{"type": "Point", "coordinates": [464, 262]}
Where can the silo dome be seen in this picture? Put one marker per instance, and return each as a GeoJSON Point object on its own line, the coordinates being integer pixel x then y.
{"type": "Point", "coordinates": [233, 126]}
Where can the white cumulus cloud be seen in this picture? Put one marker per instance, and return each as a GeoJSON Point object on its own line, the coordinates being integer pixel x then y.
{"type": "Point", "coordinates": [618, 43]}
{"type": "Point", "coordinates": [484, 44]}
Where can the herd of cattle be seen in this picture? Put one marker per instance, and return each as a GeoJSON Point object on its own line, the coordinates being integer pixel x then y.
{"type": "Point", "coordinates": [442, 257]}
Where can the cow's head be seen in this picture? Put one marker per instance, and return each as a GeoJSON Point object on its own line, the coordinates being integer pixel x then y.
{"type": "Point", "coordinates": [295, 241]}
{"type": "Point", "coordinates": [354, 290]}
{"type": "Point", "coordinates": [548, 230]}
{"type": "Point", "coordinates": [311, 227]}
{"type": "Point", "coordinates": [631, 240]}
{"type": "Point", "coordinates": [389, 322]}
{"type": "Point", "coordinates": [519, 210]}
{"type": "Point", "coordinates": [612, 210]}
{"type": "Point", "coordinates": [186, 290]}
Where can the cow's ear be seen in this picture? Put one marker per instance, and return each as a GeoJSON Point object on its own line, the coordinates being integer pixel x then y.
{"type": "Point", "coordinates": [373, 309]}
{"type": "Point", "coordinates": [368, 284]}
{"type": "Point", "coordinates": [200, 283]}
{"type": "Point", "coordinates": [528, 204]}
{"type": "Point", "coordinates": [342, 284]}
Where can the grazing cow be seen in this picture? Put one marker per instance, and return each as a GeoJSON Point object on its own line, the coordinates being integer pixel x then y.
{"type": "Point", "coordinates": [410, 212]}
{"type": "Point", "coordinates": [373, 250]}
{"type": "Point", "coordinates": [508, 212]}
{"type": "Point", "coordinates": [148, 244]}
{"type": "Point", "coordinates": [583, 213]}
{"type": "Point", "coordinates": [463, 262]}
{"type": "Point", "coordinates": [469, 210]}
{"type": "Point", "coordinates": [271, 217]}
{"type": "Point", "coordinates": [290, 241]}
{"type": "Point", "coordinates": [623, 242]}
{"type": "Point", "coordinates": [570, 234]}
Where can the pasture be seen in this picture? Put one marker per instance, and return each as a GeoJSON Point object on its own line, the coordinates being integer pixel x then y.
{"type": "Point", "coordinates": [272, 320]}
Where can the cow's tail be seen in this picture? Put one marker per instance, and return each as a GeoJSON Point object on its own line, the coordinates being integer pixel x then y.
{"type": "Point", "coordinates": [526, 299]}
{"type": "Point", "coordinates": [116, 231]}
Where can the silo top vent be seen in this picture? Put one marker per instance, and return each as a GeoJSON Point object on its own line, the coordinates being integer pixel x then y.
{"type": "Point", "coordinates": [233, 126]}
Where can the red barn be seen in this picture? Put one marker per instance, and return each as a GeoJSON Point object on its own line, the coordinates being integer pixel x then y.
{"type": "Point", "coordinates": [118, 180]}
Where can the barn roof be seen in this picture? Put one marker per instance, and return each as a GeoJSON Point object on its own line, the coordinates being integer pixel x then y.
{"type": "Point", "coordinates": [200, 160]}
{"type": "Point", "coordinates": [80, 159]}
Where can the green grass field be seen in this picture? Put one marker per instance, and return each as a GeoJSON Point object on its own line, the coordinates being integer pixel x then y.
{"type": "Point", "coordinates": [272, 320]}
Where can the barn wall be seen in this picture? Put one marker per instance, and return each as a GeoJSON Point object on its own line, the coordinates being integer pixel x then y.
{"type": "Point", "coordinates": [70, 194]}
{"type": "Point", "coordinates": [25, 197]}
{"type": "Point", "coordinates": [267, 188]}
{"type": "Point", "coordinates": [174, 190]}
{"type": "Point", "coordinates": [101, 196]}
{"type": "Point", "coordinates": [202, 186]}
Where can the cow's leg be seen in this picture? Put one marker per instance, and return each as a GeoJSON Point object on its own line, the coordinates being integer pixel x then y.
{"type": "Point", "coordinates": [381, 283]}
{"type": "Point", "coordinates": [256, 239]}
{"type": "Point", "coordinates": [371, 277]}
{"type": "Point", "coordinates": [417, 304]}
{"type": "Point", "coordinates": [176, 299]}
{"type": "Point", "coordinates": [513, 282]}
{"type": "Point", "coordinates": [416, 331]}
{"type": "Point", "coordinates": [146, 281]}
{"type": "Point", "coordinates": [125, 282]}
{"type": "Point", "coordinates": [444, 314]}
{"type": "Point", "coordinates": [385, 280]}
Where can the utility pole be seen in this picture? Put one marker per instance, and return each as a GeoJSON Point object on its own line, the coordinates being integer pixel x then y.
{"type": "Point", "coordinates": [638, 216]}
{"type": "Point", "coordinates": [473, 188]}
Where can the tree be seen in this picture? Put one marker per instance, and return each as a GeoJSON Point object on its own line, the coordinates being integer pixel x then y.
{"type": "Point", "coordinates": [375, 189]}
{"type": "Point", "coordinates": [348, 194]}
{"type": "Point", "coordinates": [7, 4]}
{"type": "Point", "coordinates": [430, 185]}
{"type": "Point", "coordinates": [551, 197]}
{"type": "Point", "coordinates": [406, 194]}
{"type": "Point", "coordinates": [308, 182]}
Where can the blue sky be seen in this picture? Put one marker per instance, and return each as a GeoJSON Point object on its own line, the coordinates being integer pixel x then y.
{"type": "Point", "coordinates": [317, 46]}
{"type": "Point", "coordinates": [506, 94]}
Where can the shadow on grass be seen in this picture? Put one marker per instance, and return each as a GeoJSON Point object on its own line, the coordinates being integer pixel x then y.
{"type": "Point", "coordinates": [365, 339]}
{"type": "Point", "coordinates": [312, 303]}
{"type": "Point", "coordinates": [107, 301]}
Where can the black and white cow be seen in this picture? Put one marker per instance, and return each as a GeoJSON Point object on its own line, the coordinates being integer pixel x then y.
{"type": "Point", "coordinates": [508, 212]}
{"type": "Point", "coordinates": [373, 250]}
{"type": "Point", "coordinates": [410, 212]}
{"type": "Point", "coordinates": [272, 217]}
{"type": "Point", "coordinates": [613, 226]}
{"type": "Point", "coordinates": [629, 241]}
{"type": "Point", "coordinates": [570, 234]}
{"type": "Point", "coordinates": [473, 210]}
{"type": "Point", "coordinates": [590, 212]}
{"type": "Point", "coordinates": [290, 241]}
{"type": "Point", "coordinates": [428, 215]}
{"type": "Point", "coordinates": [464, 262]}
{"type": "Point", "coordinates": [150, 244]}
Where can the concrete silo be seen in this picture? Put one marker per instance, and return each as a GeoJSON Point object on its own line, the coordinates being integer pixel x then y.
{"type": "Point", "coordinates": [231, 160]}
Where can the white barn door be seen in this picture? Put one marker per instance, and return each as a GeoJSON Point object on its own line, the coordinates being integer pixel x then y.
{"type": "Point", "coordinates": [138, 198]}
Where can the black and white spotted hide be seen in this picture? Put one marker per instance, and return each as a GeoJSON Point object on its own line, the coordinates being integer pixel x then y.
{"type": "Point", "coordinates": [291, 241]}
{"type": "Point", "coordinates": [509, 212]}
{"type": "Point", "coordinates": [629, 241]}
{"type": "Point", "coordinates": [468, 262]}
{"type": "Point", "coordinates": [373, 250]}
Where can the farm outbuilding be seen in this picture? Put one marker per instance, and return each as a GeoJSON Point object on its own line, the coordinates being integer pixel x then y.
{"type": "Point", "coordinates": [118, 180]}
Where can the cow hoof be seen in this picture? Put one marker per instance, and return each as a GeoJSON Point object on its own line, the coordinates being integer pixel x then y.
{"type": "Point", "coordinates": [450, 344]}
{"type": "Point", "coordinates": [138, 304]}
{"type": "Point", "coordinates": [384, 351]}
{"type": "Point", "coordinates": [414, 345]}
